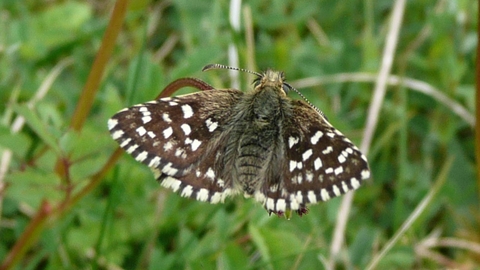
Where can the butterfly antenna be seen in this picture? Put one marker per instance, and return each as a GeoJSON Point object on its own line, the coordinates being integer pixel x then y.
{"type": "Point", "coordinates": [220, 66]}
{"type": "Point", "coordinates": [305, 98]}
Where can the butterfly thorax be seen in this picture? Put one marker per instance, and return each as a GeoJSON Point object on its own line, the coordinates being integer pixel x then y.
{"type": "Point", "coordinates": [254, 136]}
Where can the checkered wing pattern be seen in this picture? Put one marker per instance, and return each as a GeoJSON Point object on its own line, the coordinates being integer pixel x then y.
{"type": "Point", "coordinates": [172, 136]}
{"type": "Point", "coordinates": [320, 163]}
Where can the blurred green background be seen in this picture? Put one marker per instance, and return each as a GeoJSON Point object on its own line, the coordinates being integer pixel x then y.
{"type": "Point", "coordinates": [127, 221]}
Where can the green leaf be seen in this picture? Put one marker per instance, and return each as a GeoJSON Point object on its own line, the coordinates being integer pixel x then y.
{"type": "Point", "coordinates": [233, 257]}
{"type": "Point", "coordinates": [32, 120]}
{"type": "Point", "coordinates": [18, 143]}
{"type": "Point", "coordinates": [24, 187]}
{"type": "Point", "coordinates": [55, 27]}
{"type": "Point", "coordinates": [260, 241]}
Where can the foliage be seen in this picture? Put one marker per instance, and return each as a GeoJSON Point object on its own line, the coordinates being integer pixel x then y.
{"type": "Point", "coordinates": [66, 202]}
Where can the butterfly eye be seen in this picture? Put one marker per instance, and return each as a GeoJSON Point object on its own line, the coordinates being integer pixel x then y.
{"type": "Point", "coordinates": [286, 88]}
{"type": "Point", "coordinates": [256, 81]}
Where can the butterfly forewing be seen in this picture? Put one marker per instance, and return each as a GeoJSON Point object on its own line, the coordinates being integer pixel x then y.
{"type": "Point", "coordinates": [171, 135]}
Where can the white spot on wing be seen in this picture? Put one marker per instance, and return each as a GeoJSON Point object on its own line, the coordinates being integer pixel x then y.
{"type": "Point", "coordinates": [187, 191]}
{"type": "Point", "coordinates": [210, 173]}
{"type": "Point", "coordinates": [151, 134]}
{"type": "Point", "coordinates": [338, 132]}
{"type": "Point", "coordinates": [202, 195]}
{"type": "Point", "coordinates": [336, 191]}
{"type": "Point", "coordinates": [365, 174]}
{"type": "Point", "coordinates": [167, 132]}
{"type": "Point", "coordinates": [195, 144]}
{"type": "Point", "coordinates": [141, 157]}
{"type": "Point", "coordinates": [216, 198]}
{"type": "Point", "coordinates": [293, 205]}
{"type": "Point", "coordinates": [154, 162]}
{"type": "Point", "coordinates": [354, 182]}
{"type": "Point", "coordinates": [166, 118]}
{"type": "Point", "coordinates": [146, 119]}
{"type": "Point", "coordinates": [270, 204]}
{"type": "Point", "coordinates": [344, 187]}
{"type": "Point", "coordinates": [141, 131]}
{"type": "Point", "coordinates": [211, 125]}
{"type": "Point", "coordinates": [338, 170]}
{"type": "Point", "coordinates": [117, 134]}
{"type": "Point", "coordinates": [187, 111]}
{"type": "Point", "coordinates": [179, 151]}
{"type": "Point", "coordinates": [170, 182]}
{"type": "Point", "coordinates": [293, 165]}
{"type": "Point", "coordinates": [112, 123]}
{"type": "Point", "coordinates": [169, 170]}
{"type": "Point", "coordinates": [281, 205]}
{"type": "Point", "coordinates": [327, 150]}
{"type": "Point", "coordinates": [307, 154]}
{"type": "Point", "coordinates": [316, 137]}
{"type": "Point", "coordinates": [324, 195]}
{"type": "Point", "coordinates": [168, 146]}
{"type": "Point", "coordinates": [312, 197]}
{"type": "Point", "coordinates": [132, 148]}
{"type": "Point", "coordinates": [292, 141]}
{"type": "Point", "coordinates": [309, 176]}
{"type": "Point", "coordinates": [186, 129]}
{"type": "Point", "coordinates": [299, 197]}
{"type": "Point", "coordinates": [317, 163]}
{"type": "Point", "coordinates": [260, 197]}
{"type": "Point", "coordinates": [329, 170]}
{"type": "Point", "coordinates": [124, 143]}
{"type": "Point", "coordinates": [273, 188]}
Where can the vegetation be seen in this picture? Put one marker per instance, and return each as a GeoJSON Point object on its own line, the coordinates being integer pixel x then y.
{"type": "Point", "coordinates": [70, 200]}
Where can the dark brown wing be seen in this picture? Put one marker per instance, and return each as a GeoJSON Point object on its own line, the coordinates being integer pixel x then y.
{"type": "Point", "coordinates": [319, 163]}
{"type": "Point", "coordinates": [173, 136]}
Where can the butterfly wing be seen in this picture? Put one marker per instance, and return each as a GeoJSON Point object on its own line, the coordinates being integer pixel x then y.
{"type": "Point", "coordinates": [319, 163]}
{"type": "Point", "coordinates": [173, 136]}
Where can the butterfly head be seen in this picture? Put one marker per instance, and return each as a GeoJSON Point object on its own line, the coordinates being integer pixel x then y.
{"type": "Point", "coordinates": [269, 78]}
{"type": "Point", "coordinates": [274, 79]}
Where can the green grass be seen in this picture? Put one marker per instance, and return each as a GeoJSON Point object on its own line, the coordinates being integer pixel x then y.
{"type": "Point", "coordinates": [69, 200]}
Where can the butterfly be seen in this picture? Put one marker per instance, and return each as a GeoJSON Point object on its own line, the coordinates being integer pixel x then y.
{"type": "Point", "coordinates": [217, 143]}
